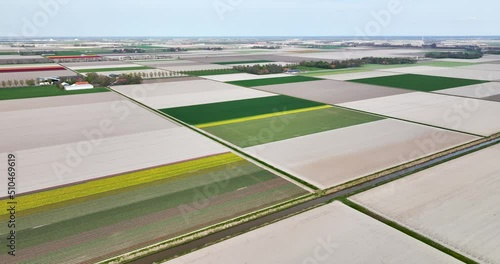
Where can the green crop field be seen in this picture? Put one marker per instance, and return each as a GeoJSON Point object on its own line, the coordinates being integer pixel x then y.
{"type": "Point", "coordinates": [41, 91]}
{"type": "Point", "coordinates": [148, 213]}
{"type": "Point", "coordinates": [116, 69]}
{"type": "Point", "coordinates": [207, 113]}
{"type": "Point", "coordinates": [416, 82]}
{"type": "Point", "coordinates": [272, 81]}
{"type": "Point", "coordinates": [242, 62]}
{"type": "Point", "coordinates": [261, 131]}
{"type": "Point", "coordinates": [210, 72]}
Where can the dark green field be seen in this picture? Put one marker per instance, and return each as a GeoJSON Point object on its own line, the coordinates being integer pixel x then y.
{"type": "Point", "coordinates": [207, 113]}
{"type": "Point", "coordinates": [242, 62]}
{"type": "Point", "coordinates": [41, 91]}
{"type": "Point", "coordinates": [262, 131]}
{"type": "Point", "coordinates": [416, 82]}
{"type": "Point", "coordinates": [210, 72]}
{"type": "Point", "coordinates": [116, 69]}
{"type": "Point", "coordinates": [272, 81]}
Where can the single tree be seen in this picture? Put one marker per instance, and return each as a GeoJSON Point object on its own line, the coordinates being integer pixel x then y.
{"type": "Point", "coordinates": [4, 84]}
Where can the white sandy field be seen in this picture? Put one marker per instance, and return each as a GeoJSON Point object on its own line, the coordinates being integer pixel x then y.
{"type": "Point", "coordinates": [34, 75]}
{"type": "Point", "coordinates": [455, 203]}
{"type": "Point", "coordinates": [56, 165]}
{"type": "Point", "coordinates": [483, 67]}
{"type": "Point", "coordinates": [338, 156]}
{"type": "Point", "coordinates": [68, 139]}
{"type": "Point", "coordinates": [196, 67]}
{"type": "Point", "coordinates": [481, 90]}
{"type": "Point", "coordinates": [243, 77]}
{"type": "Point", "coordinates": [358, 75]}
{"type": "Point", "coordinates": [184, 93]}
{"type": "Point", "coordinates": [463, 114]}
{"type": "Point", "coordinates": [332, 233]}
{"type": "Point", "coordinates": [458, 72]}
{"type": "Point", "coordinates": [414, 69]}
{"type": "Point", "coordinates": [484, 59]}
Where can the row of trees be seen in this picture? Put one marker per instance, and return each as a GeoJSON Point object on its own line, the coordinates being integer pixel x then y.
{"type": "Point", "coordinates": [455, 55]}
{"type": "Point", "coordinates": [350, 63]}
{"type": "Point", "coordinates": [261, 69]}
{"type": "Point", "coordinates": [10, 83]}
{"type": "Point", "coordinates": [98, 80]}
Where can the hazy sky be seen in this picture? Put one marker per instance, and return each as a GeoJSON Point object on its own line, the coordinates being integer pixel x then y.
{"type": "Point", "coordinates": [32, 18]}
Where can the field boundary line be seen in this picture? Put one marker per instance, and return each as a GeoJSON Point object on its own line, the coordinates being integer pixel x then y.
{"type": "Point", "coordinates": [258, 117]}
{"type": "Point", "coordinates": [407, 231]}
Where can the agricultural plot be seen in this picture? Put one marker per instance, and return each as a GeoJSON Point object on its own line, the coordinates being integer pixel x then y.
{"type": "Point", "coordinates": [333, 157]}
{"type": "Point", "coordinates": [418, 82]}
{"type": "Point", "coordinates": [456, 113]}
{"type": "Point", "coordinates": [465, 73]}
{"type": "Point", "coordinates": [288, 124]}
{"type": "Point", "coordinates": [95, 64]}
{"type": "Point", "coordinates": [321, 73]}
{"type": "Point", "coordinates": [243, 62]}
{"type": "Point", "coordinates": [332, 92]}
{"type": "Point", "coordinates": [216, 112]}
{"type": "Point", "coordinates": [91, 67]}
{"type": "Point", "coordinates": [243, 77]}
{"type": "Point", "coordinates": [42, 91]}
{"type": "Point", "coordinates": [459, 207]}
{"type": "Point", "coordinates": [483, 67]}
{"type": "Point", "coordinates": [482, 90]}
{"type": "Point", "coordinates": [328, 234]}
{"type": "Point", "coordinates": [196, 67]}
{"type": "Point", "coordinates": [358, 75]}
{"type": "Point", "coordinates": [186, 93]}
{"type": "Point", "coordinates": [93, 221]}
{"type": "Point", "coordinates": [115, 69]}
{"type": "Point", "coordinates": [211, 72]}
{"type": "Point", "coordinates": [99, 139]}
{"type": "Point", "coordinates": [495, 98]}
{"type": "Point", "coordinates": [413, 69]}
{"type": "Point", "coordinates": [484, 59]}
{"type": "Point", "coordinates": [145, 73]}
{"type": "Point", "coordinates": [274, 81]}
{"type": "Point", "coordinates": [24, 76]}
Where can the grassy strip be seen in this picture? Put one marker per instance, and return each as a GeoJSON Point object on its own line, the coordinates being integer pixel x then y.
{"type": "Point", "coordinates": [242, 62]}
{"type": "Point", "coordinates": [423, 83]}
{"type": "Point", "coordinates": [273, 81]}
{"type": "Point", "coordinates": [116, 69]}
{"type": "Point", "coordinates": [258, 117]}
{"type": "Point", "coordinates": [333, 72]}
{"type": "Point", "coordinates": [210, 72]}
{"type": "Point", "coordinates": [407, 231]}
{"type": "Point", "coordinates": [216, 112]}
{"type": "Point", "coordinates": [72, 192]}
{"type": "Point", "coordinates": [42, 91]}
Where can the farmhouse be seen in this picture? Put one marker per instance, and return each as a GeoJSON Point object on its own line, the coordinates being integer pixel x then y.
{"type": "Point", "coordinates": [77, 86]}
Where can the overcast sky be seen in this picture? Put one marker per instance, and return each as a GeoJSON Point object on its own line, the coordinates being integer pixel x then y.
{"type": "Point", "coordinates": [33, 18]}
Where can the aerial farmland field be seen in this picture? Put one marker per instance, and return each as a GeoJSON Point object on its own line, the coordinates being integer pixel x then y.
{"type": "Point", "coordinates": [328, 234]}
{"type": "Point", "coordinates": [243, 77]}
{"type": "Point", "coordinates": [187, 93]}
{"type": "Point", "coordinates": [42, 91]}
{"type": "Point", "coordinates": [332, 92]}
{"type": "Point", "coordinates": [333, 157]}
{"type": "Point", "coordinates": [418, 82]}
{"type": "Point", "coordinates": [437, 110]}
{"type": "Point", "coordinates": [454, 203]}
{"type": "Point", "coordinates": [216, 112]}
{"type": "Point", "coordinates": [482, 90]}
{"type": "Point", "coordinates": [95, 220]}
{"type": "Point", "coordinates": [273, 81]}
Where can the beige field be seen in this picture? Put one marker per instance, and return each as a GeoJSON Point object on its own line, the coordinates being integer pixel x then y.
{"type": "Point", "coordinates": [455, 203]}
{"type": "Point", "coordinates": [46, 167]}
{"type": "Point", "coordinates": [358, 53]}
{"type": "Point", "coordinates": [91, 66]}
{"type": "Point", "coordinates": [483, 67]}
{"type": "Point", "coordinates": [457, 113]}
{"type": "Point", "coordinates": [34, 75]}
{"type": "Point", "coordinates": [333, 233]}
{"type": "Point", "coordinates": [484, 59]}
{"type": "Point", "coordinates": [175, 94]}
{"type": "Point", "coordinates": [475, 91]}
{"type": "Point", "coordinates": [414, 69]}
{"type": "Point", "coordinates": [196, 67]}
{"type": "Point", "coordinates": [334, 157]}
{"type": "Point", "coordinates": [242, 77]}
{"type": "Point", "coordinates": [458, 72]}
{"type": "Point", "coordinates": [358, 75]}
{"type": "Point", "coordinates": [36, 65]}
{"type": "Point", "coordinates": [332, 92]}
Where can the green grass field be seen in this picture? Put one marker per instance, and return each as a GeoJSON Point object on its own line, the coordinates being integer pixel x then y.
{"type": "Point", "coordinates": [273, 81]}
{"type": "Point", "coordinates": [41, 91]}
{"type": "Point", "coordinates": [416, 82]}
{"type": "Point", "coordinates": [148, 213]}
{"type": "Point", "coordinates": [242, 62]}
{"type": "Point", "coordinates": [207, 113]}
{"type": "Point", "coordinates": [115, 69]}
{"type": "Point", "coordinates": [446, 63]}
{"type": "Point", "coordinates": [210, 72]}
{"type": "Point", "coordinates": [262, 131]}
{"type": "Point", "coordinates": [309, 69]}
